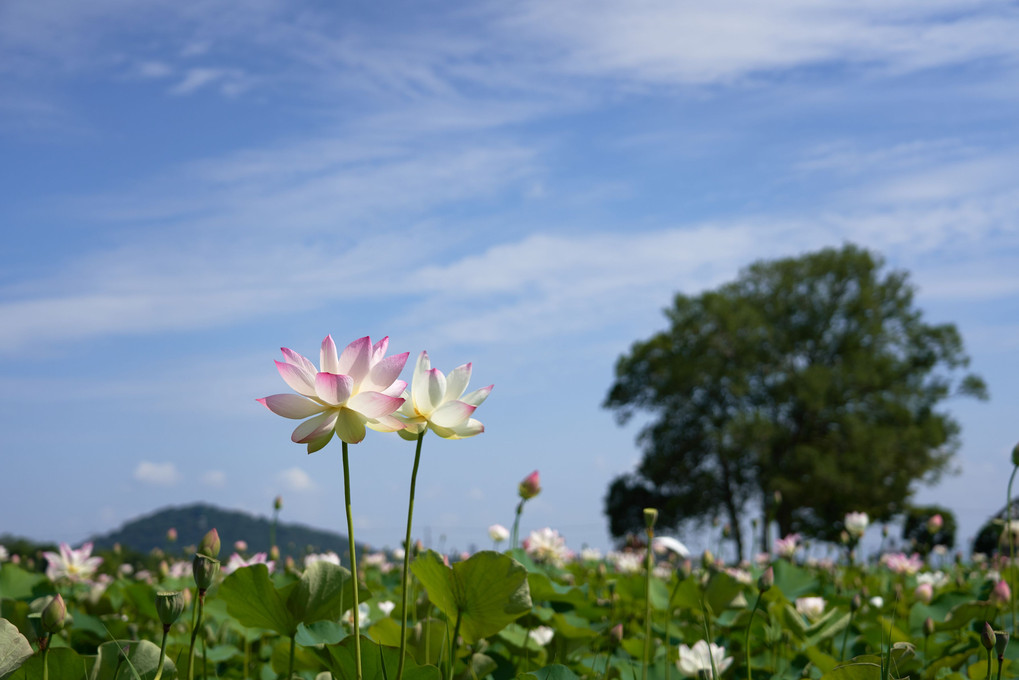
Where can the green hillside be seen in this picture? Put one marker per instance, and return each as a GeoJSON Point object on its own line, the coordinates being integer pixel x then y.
{"type": "Point", "coordinates": [193, 521]}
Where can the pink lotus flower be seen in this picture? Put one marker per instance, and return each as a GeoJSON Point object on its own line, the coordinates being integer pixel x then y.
{"type": "Point", "coordinates": [355, 390]}
{"type": "Point", "coordinates": [237, 562]}
{"type": "Point", "coordinates": [437, 402]}
{"type": "Point", "coordinates": [74, 565]}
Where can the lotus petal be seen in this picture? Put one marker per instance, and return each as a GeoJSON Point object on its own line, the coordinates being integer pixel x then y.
{"type": "Point", "coordinates": [291, 406]}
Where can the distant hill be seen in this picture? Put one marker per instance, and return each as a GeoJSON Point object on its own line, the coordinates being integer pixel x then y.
{"type": "Point", "coordinates": [192, 522]}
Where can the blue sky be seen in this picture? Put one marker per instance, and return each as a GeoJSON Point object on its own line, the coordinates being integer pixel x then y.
{"type": "Point", "coordinates": [187, 187]}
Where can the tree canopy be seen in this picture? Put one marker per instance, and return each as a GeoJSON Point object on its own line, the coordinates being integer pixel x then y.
{"type": "Point", "coordinates": [815, 377]}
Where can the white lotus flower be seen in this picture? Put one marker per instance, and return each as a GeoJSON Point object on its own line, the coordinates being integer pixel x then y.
{"type": "Point", "coordinates": [437, 402]}
{"type": "Point", "coordinates": [696, 661]}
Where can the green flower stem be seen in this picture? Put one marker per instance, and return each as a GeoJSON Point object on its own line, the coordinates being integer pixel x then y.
{"type": "Point", "coordinates": [845, 636]}
{"type": "Point", "coordinates": [988, 665]}
{"type": "Point", "coordinates": [707, 638]}
{"type": "Point", "coordinates": [1011, 545]}
{"type": "Point", "coordinates": [516, 524]}
{"type": "Point", "coordinates": [650, 562]}
{"type": "Point", "coordinates": [45, 662]}
{"type": "Point", "coordinates": [406, 557]}
{"type": "Point", "coordinates": [162, 653]}
{"type": "Point", "coordinates": [194, 633]}
{"type": "Point", "coordinates": [353, 560]}
{"type": "Point", "coordinates": [452, 643]}
{"type": "Point", "coordinates": [746, 641]}
{"type": "Point", "coordinates": [290, 662]}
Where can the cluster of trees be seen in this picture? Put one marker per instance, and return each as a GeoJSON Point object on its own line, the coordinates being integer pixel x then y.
{"type": "Point", "coordinates": [813, 379]}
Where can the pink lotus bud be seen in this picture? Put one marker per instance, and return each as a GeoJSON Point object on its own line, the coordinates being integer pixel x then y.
{"type": "Point", "coordinates": [934, 524]}
{"type": "Point", "coordinates": [1001, 594]}
{"type": "Point", "coordinates": [530, 487]}
{"type": "Point", "coordinates": [241, 546]}
{"type": "Point", "coordinates": [924, 593]}
{"type": "Point", "coordinates": [171, 535]}
{"type": "Point", "coordinates": [54, 615]}
{"type": "Point", "coordinates": [210, 544]}
{"type": "Point", "coordinates": [766, 580]}
{"type": "Point", "coordinates": [274, 553]}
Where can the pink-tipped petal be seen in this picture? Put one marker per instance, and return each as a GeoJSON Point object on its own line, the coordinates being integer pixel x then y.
{"type": "Point", "coordinates": [356, 359]}
{"type": "Point", "coordinates": [452, 414]}
{"type": "Point", "coordinates": [421, 368]}
{"type": "Point", "coordinates": [296, 359]}
{"type": "Point", "coordinates": [477, 396]}
{"type": "Point", "coordinates": [469, 429]}
{"type": "Point", "coordinates": [379, 349]}
{"type": "Point", "coordinates": [374, 404]}
{"type": "Point", "coordinates": [291, 406]}
{"type": "Point", "coordinates": [385, 372]}
{"type": "Point", "coordinates": [314, 428]}
{"type": "Point", "coordinates": [456, 381]}
{"type": "Point", "coordinates": [397, 389]}
{"type": "Point", "coordinates": [350, 426]}
{"type": "Point", "coordinates": [327, 356]}
{"type": "Point", "coordinates": [385, 424]}
{"type": "Point", "coordinates": [333, 389]}
{"type": "Point", "coordinates": [299, 380]}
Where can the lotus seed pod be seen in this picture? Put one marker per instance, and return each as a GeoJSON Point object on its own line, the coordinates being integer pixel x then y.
{"type": "Point", "coordinates": [1000, 643]}
{"type": "Point", "coordinates": [169, 606]}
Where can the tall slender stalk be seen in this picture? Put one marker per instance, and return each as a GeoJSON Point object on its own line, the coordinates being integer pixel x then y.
{"type": "Point", "coordinates": [406, 556]}
{"type": "Point", "coordinates": [649, 567]}
{"type": "Point", "coordinates": [1011, 545]}
{"type": "Point", "coordinates": [200, 607]}
{"type": "Point", "coordinates": [516, 524]}
{"type": "Point", "coordinates": [162, 653]}
{"type": "Point", "coordinates": [746, 641]}
{"type": "Point", "coordinates": [353, 559]}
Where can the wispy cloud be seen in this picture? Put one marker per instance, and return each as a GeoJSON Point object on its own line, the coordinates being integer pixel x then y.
{"type": "Point", "coordinates": [214, 478]}
{"type": "Point", "coordinates": [296, 479]}
{"type": "Point", "coordinates": [159, 474]}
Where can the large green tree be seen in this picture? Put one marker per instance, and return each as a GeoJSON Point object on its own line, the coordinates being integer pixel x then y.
{"type": "Point", "coordinates": [815, 377]}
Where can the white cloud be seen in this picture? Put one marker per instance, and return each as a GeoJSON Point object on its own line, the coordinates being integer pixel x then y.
{"type": "Point", "coordinates": [214, 478]}
{"type": "Point", "coordinates": [296, 479]}
{"type": "Point", "coordinates": [160, 474]}
{"type": "Point", "coordinates": [658, 41]}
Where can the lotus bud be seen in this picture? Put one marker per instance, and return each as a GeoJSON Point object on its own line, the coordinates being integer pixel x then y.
{"type": "Point", "coordinates": [164, 569]}
{"type": "Point", "coordinates": [169, 606]}
{"type": "Point", "coordinates": [530, 487]}
{"type": "Point", "coordinates": [934, 524]}
{"type": "Point", "coordinates": [707, 560]}
{"type": "Point", "coordinates": [928, 627]}
{"type": "Point", "coordinates": [171, 535]}
{"type": "Point", "coordinates": [1015, 455]}
{"type": "Point", "coordinates": [987, 637]}
{"type": "Point", "coordinates": [778, 498]}
{"type": "Point", "coordinates": [726, 531]}
{"type": "Point", "coordinates": [1001, 594]}
{"type": "Point", "coordinates": [616, 633]}
{"type": "Point", "coordinates": [650, 517]}
{"type": "Point", "coordinates": [277, 504]}
{"type": "Point", "coordinates": [856, 603]}
{"type": "Point", "coordinates": [924, 593]}
{"type": "Point", "coordinates": [844, 537]}
{"type": "Point", "coordinates": [240, 546]}
{"type": "Point", "coordinates": [1000, 643]}
{"type": "Point", "coordinates": [54, 615]}
{"type": "Point", "coordinates": [205, 569]}
{"type": "Point", "coordinates": [274, 553]}
{"type": "Point", "coordinates": [210, 544]}
{"type": "Point", "coordinates": [766, 580]}
{"type": "Point", "coordinates": [289, 564]}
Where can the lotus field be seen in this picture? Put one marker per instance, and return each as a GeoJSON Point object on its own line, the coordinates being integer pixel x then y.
{"type": "Point", "coordinates": [531, 608]}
